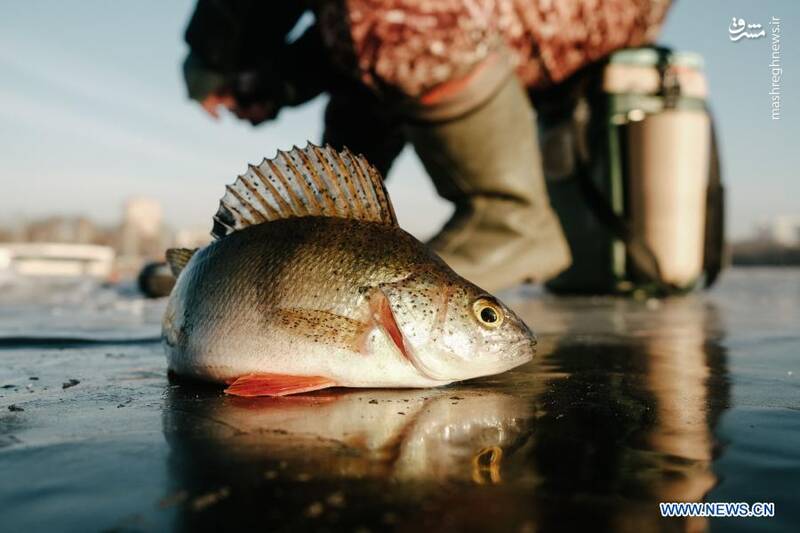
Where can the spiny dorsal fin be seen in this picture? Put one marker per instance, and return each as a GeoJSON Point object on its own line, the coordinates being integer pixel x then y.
{"type": "Point", "coordinates": [310, 181]}
{"type": "Point", "coordinates": [178, 258]}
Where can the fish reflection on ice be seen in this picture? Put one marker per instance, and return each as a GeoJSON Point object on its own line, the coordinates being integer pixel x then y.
{"type": "Point", "coordinates": [444, 435]}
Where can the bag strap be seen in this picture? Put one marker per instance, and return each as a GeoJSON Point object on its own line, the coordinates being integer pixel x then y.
{"type": "Point", "coordinates": [714, 243]}
{"type": "Point", "coordinates": [642, 257]}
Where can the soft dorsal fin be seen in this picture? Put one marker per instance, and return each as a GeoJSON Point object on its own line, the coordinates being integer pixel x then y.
{"type": "Point", "coordinates": [177, 258]}
{"type": "Point", "coordinates": [310, 181]}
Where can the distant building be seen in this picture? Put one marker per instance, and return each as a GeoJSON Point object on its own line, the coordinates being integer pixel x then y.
{"type": "Point", "coordinates": [56, 259]}
{"type": "Point", "coordinates": [783, 230]}
{"type": "Point", "coordinates": [144, 214]}
{"type": "Point", "coordinates": [76, 230]}
{"type": "Point", "coordinates": [140, 237]}
{"type": "Point", "coordinates": [141, 234]}
{"type": "Point", "coordinates": [191, 237]}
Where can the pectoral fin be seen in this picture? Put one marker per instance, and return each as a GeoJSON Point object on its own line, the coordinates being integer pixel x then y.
{"type": "Point", "coordinates": [276, 385]}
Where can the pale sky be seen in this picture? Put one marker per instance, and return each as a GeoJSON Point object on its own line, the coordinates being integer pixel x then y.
{"type": "Point", "coordinates": [93, 110]}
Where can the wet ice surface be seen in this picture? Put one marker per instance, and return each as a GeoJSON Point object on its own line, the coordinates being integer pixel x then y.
{"type": "Point", "coordinates": [628, 404]}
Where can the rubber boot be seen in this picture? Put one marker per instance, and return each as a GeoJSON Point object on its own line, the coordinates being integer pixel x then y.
{"type": "Point", "coordinates": [487, 162]}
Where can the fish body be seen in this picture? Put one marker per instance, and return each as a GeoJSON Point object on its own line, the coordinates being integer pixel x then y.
{"type": "Point", "coordinates": [283, 304]}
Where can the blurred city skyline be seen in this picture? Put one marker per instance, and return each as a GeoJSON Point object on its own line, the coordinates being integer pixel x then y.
{"type": "Point", "coordinates": [94, 112]}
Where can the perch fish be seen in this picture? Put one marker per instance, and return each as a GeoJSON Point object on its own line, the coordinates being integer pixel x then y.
{"type": "Point", "coordinates": [310, 283]}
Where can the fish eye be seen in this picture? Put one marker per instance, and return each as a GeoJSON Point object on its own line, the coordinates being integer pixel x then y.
{"type": "Point", "coordinates": [488, 313]}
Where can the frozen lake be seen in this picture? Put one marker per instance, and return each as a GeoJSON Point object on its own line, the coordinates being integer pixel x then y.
{"type": "Point", "coordinates": [627, 404]}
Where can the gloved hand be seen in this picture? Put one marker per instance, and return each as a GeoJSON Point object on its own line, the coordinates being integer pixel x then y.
{"type": "Point", "coordinates": [253, 95]}
{"type": "Point", "coordinates": [242, 59]}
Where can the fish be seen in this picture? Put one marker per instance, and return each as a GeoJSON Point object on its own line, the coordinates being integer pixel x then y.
{"type": "Point", "coordinates": [310, 283]}
{"type": "Point", "coordinates": [459, 434]}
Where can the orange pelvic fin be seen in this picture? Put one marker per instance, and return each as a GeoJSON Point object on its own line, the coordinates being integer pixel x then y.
{"type": "Point", "coordinates": [276, 385]}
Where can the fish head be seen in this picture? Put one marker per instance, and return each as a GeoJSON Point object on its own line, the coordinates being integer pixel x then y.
{"type": "Point", "coordinates": [452, 330]}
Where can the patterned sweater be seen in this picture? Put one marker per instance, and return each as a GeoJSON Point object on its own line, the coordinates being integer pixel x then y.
{"type": "Point", "coordinates": [411, 46]}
